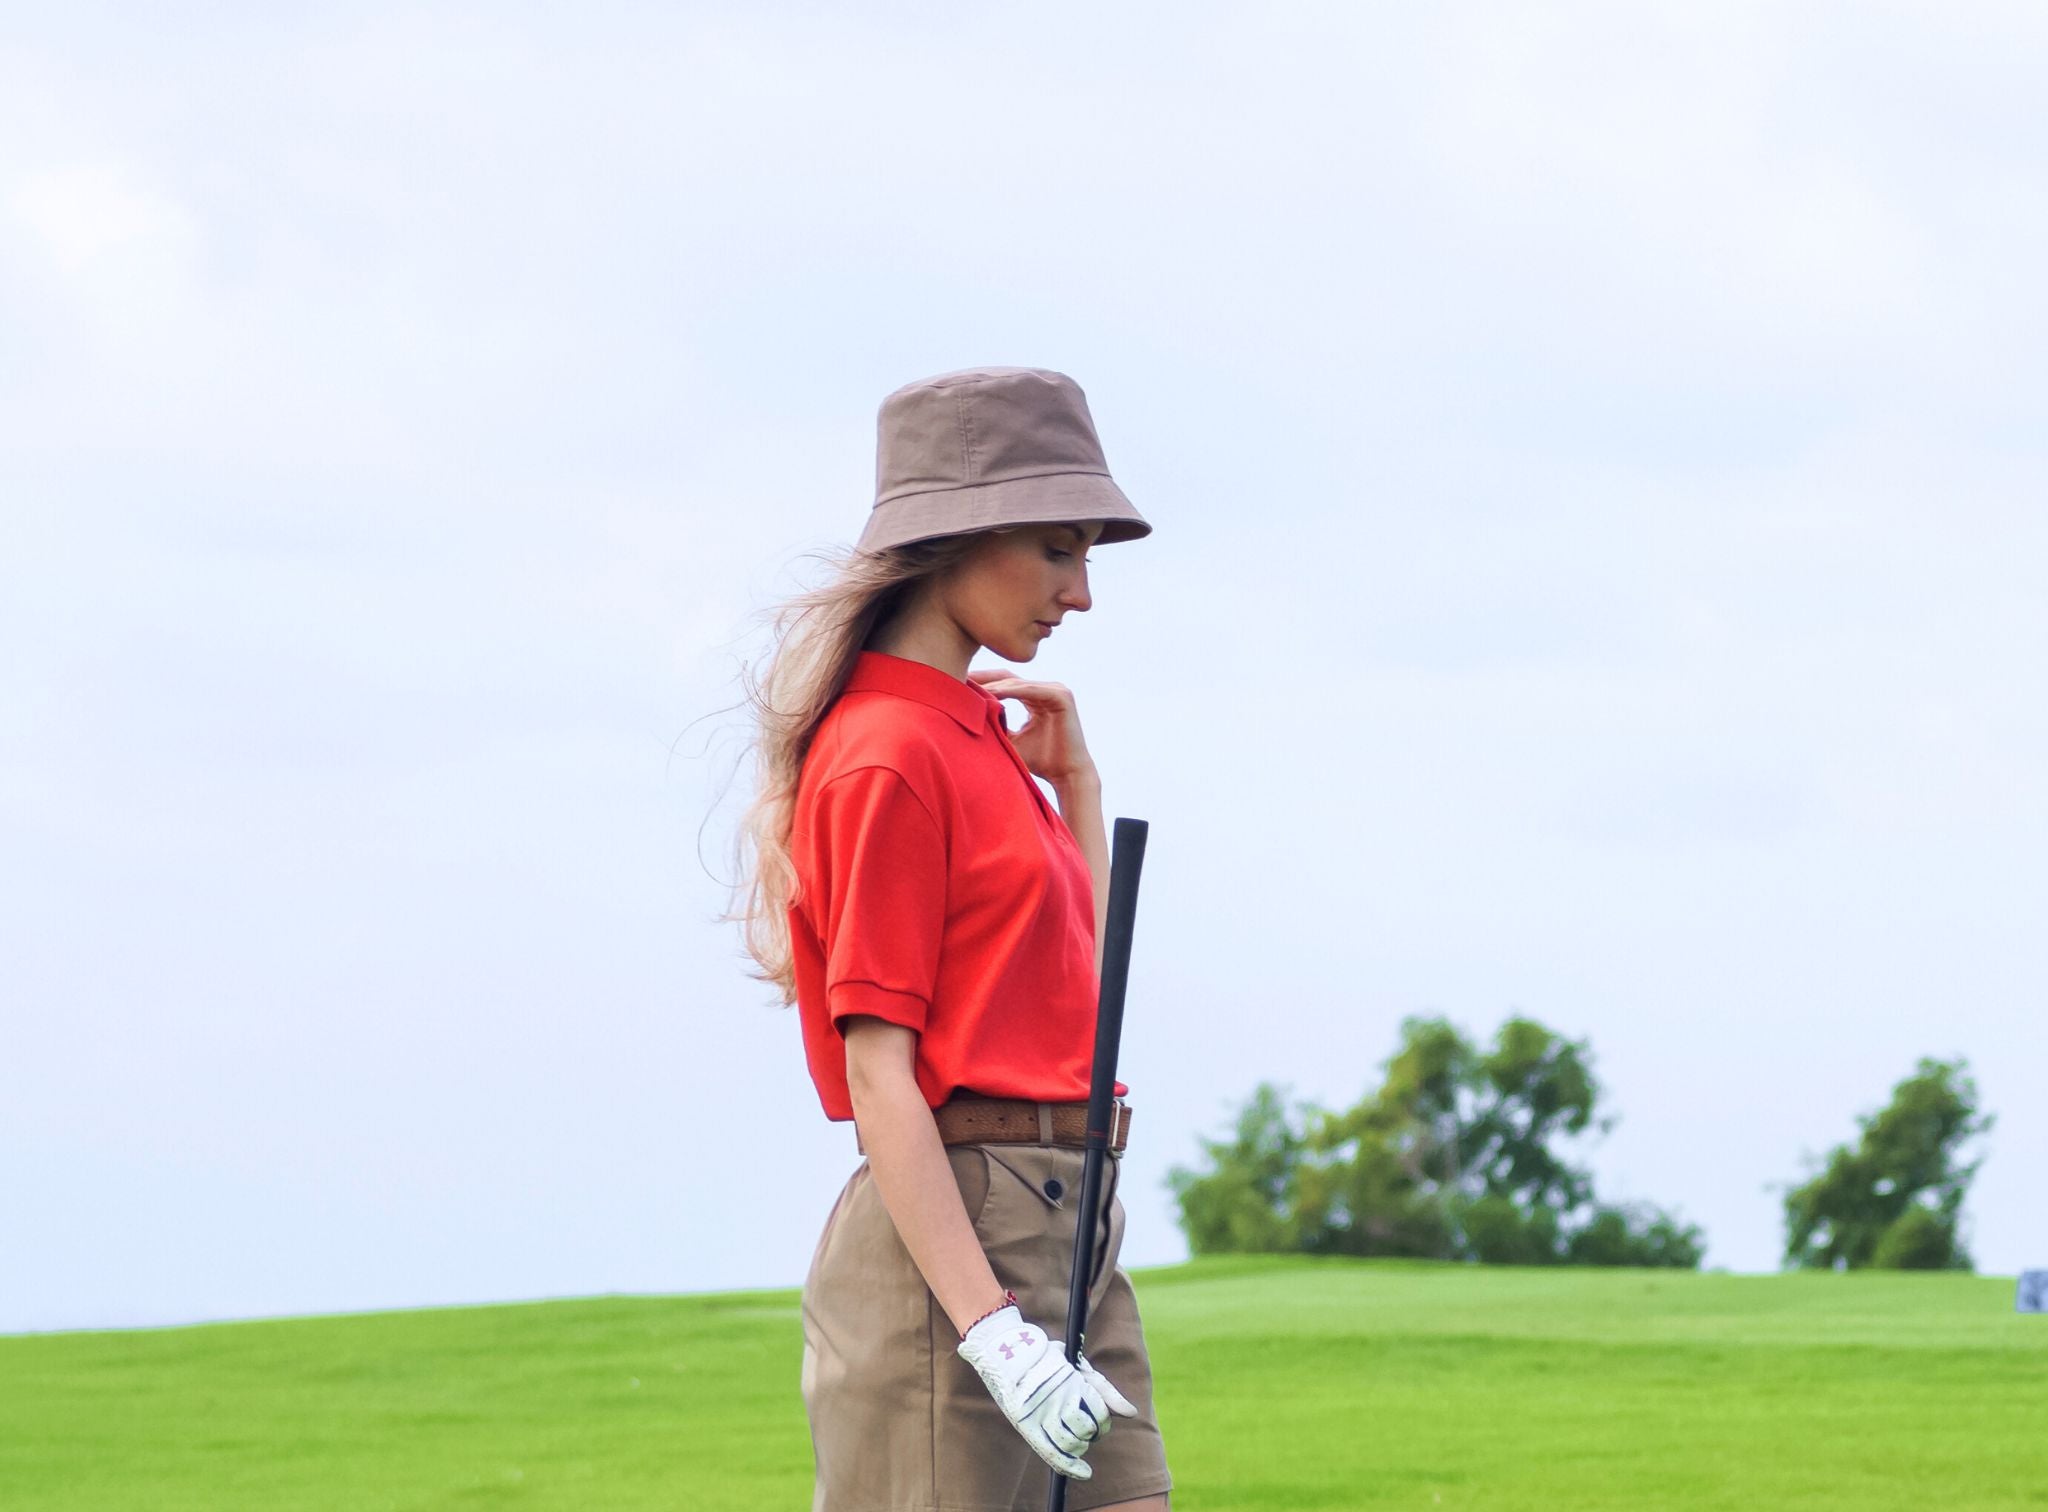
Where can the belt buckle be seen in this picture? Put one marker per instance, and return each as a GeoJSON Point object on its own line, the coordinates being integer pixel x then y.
{"type": "Point", "coordinates": [1116, 1121]}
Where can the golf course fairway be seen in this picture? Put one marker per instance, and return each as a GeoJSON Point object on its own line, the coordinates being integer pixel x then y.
{"type": "Point", "coordinates": [1283, 1382]}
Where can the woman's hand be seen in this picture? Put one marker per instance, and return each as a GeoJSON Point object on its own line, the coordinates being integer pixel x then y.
{"type": "Point", "coordinates": [1051, 747]}
{"type": "Point", "coordinates": [1061, 1409]}
{"type": "Point", "coordinates": [1050, 741]}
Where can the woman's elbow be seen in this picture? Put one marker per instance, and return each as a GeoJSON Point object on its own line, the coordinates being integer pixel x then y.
{"type": "Point", "coordinates": [880, 1057]}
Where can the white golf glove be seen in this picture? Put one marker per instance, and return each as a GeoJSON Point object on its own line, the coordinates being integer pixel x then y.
{"type": "Point", "coordinates": [1061, 1409]}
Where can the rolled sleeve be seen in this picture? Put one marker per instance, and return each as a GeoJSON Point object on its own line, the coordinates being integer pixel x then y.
{"type": "Point", "coordinates": [885, 913]}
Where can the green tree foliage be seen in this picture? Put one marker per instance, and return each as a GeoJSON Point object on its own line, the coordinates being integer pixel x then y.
{"type": "Point", "coordinates": [1895, 1199]}
{"type": "Point", "coordinates": [1453, 1157]}
{"type": "Point", "coordinates": [1249, 1204]}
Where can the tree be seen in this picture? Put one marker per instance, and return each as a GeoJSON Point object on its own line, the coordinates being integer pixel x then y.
{"type": "Point", "coordinates": [1248, 1204]}
{"type": "Point", "coordinates": [1451, 1157]}
{"type": "Point", "coordinates": [1895, 1199]}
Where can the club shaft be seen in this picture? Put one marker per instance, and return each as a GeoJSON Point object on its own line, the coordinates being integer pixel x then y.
{"type": "Point", "coordinates": [1127, 860]}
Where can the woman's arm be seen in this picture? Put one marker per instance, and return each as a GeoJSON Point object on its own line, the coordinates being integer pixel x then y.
{"type": "Point", "coordinates": [1080, 797]}
{"type": "Point", "coordinates": [911, 1170]}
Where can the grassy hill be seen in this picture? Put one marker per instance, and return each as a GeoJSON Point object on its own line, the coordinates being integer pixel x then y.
{"type": "Point", "coordinates": [1284, 1383]}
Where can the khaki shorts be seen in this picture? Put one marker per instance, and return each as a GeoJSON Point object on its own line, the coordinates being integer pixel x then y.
{"type": "Point", "coordinates": [899, 1422]}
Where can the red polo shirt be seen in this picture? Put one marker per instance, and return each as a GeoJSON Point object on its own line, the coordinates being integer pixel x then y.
{"type": "Point", "coordinates": [938, 888]}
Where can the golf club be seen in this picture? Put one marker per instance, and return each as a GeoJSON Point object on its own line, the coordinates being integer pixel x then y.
{"type": "Point", "coordinates": [1127, 857]}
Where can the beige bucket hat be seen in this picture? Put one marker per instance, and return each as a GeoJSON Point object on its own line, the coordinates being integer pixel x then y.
{"type": "Point", "coordinates": [987, 446]}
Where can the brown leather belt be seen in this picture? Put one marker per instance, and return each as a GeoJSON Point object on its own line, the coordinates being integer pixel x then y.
{"type": "Point", "coordinates": [970, 1118]}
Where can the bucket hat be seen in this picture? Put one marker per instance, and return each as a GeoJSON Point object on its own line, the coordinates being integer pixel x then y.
{"type": "Point", "coordinates": [987, 446]}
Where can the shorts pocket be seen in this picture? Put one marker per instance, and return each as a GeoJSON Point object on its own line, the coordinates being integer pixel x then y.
{"type": "Point", "coordinates": [1035, 1173]}
{"type": "Point", "coordinates": [1026, 1227]}
{"type": "Point", "coordinates": [971, 1173]}
{"type": "Point", "coordinates": [1109, 1231]}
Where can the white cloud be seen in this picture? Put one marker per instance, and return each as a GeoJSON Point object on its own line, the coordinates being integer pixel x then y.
{"type": "Point", "coordinates": [85, 214]}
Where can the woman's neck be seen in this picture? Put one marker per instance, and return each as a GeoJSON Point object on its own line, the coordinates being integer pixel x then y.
{"type": "Point", "coordinates": [943, 644]}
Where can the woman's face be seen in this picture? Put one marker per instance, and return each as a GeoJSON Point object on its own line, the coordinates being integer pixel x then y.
{"type": "Point", "coordinates": [1018, 584]}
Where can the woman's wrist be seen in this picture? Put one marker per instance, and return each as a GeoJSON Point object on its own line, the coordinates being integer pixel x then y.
{"type": "Point", "coordinates": [1080, 778]}
{"type": "Point", "coordinates": [1009, 1300]}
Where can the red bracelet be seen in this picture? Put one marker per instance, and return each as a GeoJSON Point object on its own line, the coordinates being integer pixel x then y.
{"type": "Point", "coordinates": [1009, 1300]}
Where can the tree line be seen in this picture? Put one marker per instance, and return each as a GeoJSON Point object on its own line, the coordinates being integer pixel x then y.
{"type": "Point", "coordinates": [1454, 1156]}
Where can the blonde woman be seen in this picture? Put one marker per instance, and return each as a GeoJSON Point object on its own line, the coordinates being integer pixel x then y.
{"type": "Point", "coordinates": [937, 922]}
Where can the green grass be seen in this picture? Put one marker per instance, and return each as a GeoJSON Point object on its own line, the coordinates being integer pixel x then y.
{"type": "Point", "coordinates": [1284, 1383]}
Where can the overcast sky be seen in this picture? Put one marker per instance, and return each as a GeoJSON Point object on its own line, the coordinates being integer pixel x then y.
{"type": "Point", "coordinates": [1597, 462]}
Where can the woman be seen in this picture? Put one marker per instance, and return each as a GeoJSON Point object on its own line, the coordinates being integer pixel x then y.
{"type": "Point", "coordinates": [938, 924]}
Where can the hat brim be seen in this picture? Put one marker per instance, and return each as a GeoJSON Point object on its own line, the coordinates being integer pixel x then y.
{"type": "Point", "coordinates": [1079, 497]}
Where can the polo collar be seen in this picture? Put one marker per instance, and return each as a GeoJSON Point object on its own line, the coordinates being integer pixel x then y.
{"type": "Point", "coordinates": [879, 672]}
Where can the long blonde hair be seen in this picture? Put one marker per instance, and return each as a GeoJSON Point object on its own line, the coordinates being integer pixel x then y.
{"type": "Point", "coordinates": [817, 635]}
